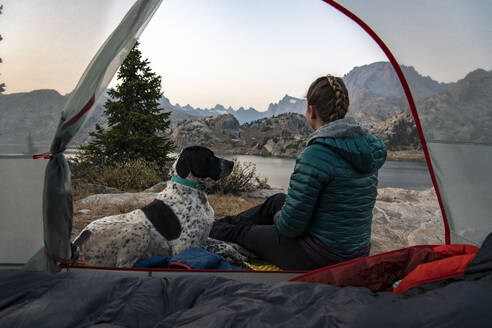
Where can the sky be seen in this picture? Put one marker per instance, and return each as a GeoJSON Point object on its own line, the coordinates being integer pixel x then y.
{"type": "Point", "coordinates": [242, 53]}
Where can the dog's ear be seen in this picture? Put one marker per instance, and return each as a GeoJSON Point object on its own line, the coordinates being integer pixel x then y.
{"type": "Point", "coordinates": [183, 167]}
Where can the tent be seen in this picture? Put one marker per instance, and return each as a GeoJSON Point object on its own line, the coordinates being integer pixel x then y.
{"type": "Point", "coordinates": [455, 138]}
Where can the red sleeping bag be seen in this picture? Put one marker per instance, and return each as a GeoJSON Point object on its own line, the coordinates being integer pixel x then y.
{"type": "Point", "coordinates": [457, 258]}
{"type": "Point", "coordinates": [414, 266]}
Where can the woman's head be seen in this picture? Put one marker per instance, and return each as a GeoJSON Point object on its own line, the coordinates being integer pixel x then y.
{"type": "Point", "coordinates": [328, 98]}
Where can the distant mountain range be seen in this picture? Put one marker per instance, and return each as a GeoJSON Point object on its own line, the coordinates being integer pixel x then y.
{"type": "Point", "coordinates": [287, 104]}
{"type": "Point", "coordinates": [376, 97]}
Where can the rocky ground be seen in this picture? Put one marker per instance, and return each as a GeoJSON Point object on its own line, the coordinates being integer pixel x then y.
{"type": "Point", "coordinates": [401, 217]}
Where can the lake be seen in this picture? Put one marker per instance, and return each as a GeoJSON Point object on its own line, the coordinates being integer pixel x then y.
{"type": "Point", "coordinates": [395, 174]}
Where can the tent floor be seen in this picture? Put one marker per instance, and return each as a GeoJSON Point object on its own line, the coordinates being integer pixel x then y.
{"type": "Point", "coordinates": [264, 277]}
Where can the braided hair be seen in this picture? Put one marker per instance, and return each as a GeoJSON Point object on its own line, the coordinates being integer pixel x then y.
{"type": "Point", "coordinates": [329, 96]}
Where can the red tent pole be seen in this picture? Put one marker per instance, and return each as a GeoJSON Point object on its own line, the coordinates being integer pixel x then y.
{"type": "Point", "coordinates": [411, 102]}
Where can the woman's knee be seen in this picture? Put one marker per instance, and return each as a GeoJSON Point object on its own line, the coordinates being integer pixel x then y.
{"type": "Point", "coordinates": [277, 199]}
{"type": "Point", "coordinates": [274, 203]}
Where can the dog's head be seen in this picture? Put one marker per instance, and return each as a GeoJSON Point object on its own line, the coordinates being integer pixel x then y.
{"type": "Point", "coordinates": [202, 164]}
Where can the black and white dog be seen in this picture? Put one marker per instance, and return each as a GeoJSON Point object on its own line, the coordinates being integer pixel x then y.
{"type": "Point", "coordinates": [180, 217]}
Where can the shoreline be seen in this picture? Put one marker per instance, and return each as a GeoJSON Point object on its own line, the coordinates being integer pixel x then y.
{"type": "Point", "coordinates": [393, 155]}
{"type": "Point", "coordinates": [406, 155]}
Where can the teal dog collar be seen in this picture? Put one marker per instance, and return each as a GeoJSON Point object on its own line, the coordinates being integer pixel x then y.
{"type": "Point", "coordinates": [188, 183]}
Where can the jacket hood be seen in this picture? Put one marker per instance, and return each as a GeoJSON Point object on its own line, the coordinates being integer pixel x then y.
{"type": "Point", "coordinates": [365, 152]}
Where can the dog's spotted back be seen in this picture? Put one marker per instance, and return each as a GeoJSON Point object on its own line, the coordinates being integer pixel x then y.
{"type": "Point", "coordinates": [122, 240]}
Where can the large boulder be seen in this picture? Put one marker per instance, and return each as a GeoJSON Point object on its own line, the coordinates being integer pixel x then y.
{"type": "Point", "coordinates": [139, 199]}
{"type": "Point", "coordinates": [158, 187]}
{"type": "Point", "coordinates": [403, 218]}
{"type": "Point", "coordinates": [99, 189]}
{"type": "Point", "coordinates": [265, 193]}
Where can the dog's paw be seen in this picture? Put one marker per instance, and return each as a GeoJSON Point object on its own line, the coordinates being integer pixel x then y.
{"type": "Point", "coordinates": [232, 253]}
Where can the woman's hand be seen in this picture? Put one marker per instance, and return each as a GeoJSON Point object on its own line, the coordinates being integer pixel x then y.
{"type": "Point", "coordinates": [275, 217]}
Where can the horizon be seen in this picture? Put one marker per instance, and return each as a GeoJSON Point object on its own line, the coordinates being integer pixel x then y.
{"type": "Point", "coordinates": [247, 108]}
{"type": "Point", "coordinates": [236, 53]}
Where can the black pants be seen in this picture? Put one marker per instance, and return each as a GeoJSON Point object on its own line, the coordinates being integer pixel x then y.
{"type": "Point", "coordinates": [254, 230]}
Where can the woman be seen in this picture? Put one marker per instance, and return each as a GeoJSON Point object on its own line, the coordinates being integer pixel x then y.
{"type": "Point", "coordinates": [326, 216]}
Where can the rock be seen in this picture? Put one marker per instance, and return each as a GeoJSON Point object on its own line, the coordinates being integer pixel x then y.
{"type": "Point", "coordinates": [208, 131]}
{"type": "Point", "coordinates": [403, 218]}
{"type": "Point", "coordinates": [99, 189]}
{"type": "Point", "coordinates": [398, 132]}
{"type": "Point", "coordinates": [83, 211]}
{"type": "Point", "coordinates": [270, 144]}
{"type": "Point", "coordinates": [397, 195]}
{"type": "Point", "coordinates": [157, 187]}
{"type": "Point", "coordinates": [264, 193]}
{"type": "Point", "coordinates": [226, 122]}
{"type": "Point", "coordinates": [132, 199]}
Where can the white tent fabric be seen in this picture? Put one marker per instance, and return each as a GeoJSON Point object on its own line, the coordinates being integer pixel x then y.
{"type": "Point", "coordinates": [21, 226]}
{"type": "Point", "coordinates": [463, 175]}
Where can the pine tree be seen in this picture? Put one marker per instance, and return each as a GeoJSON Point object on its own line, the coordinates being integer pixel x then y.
{"type": "Point", "coordinates": [136, 124]}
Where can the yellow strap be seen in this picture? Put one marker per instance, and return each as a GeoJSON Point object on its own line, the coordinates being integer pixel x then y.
{"type": "Point", "coordinates": [266, 267]}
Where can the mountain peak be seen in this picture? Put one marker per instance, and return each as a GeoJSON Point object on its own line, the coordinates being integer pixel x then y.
{"type": "Point", "coordinates": [287, 104]}
{"type": "Point", "coordinates": [478, 73]}
{"type": "Point", "coordinates": [37, 93]}
{"type": "Point", "coordinates": [288, 98]}
{"type": "Point", "coordinates": [380, 79]}
{"type": "Point", "coordinates": [219, 107]}
{"type": "Point", "coordinates": [476, 85]}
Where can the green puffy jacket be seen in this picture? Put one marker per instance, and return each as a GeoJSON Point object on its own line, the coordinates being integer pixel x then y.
{"type": "Point", "coordinates": [333, 189]}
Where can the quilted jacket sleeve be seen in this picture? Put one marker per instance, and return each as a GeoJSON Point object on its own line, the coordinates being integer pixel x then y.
{"type": "Point", "coordinates": [311, 173]}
